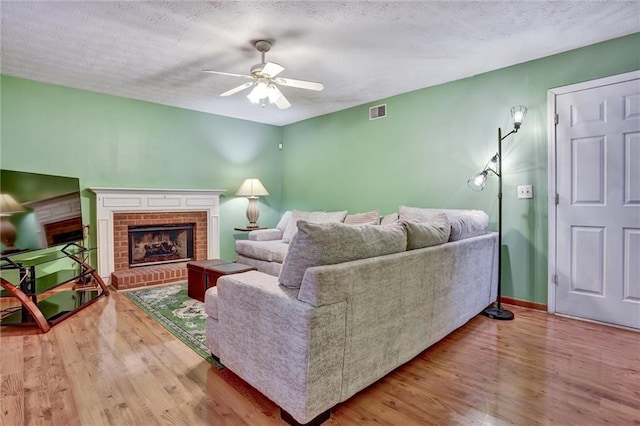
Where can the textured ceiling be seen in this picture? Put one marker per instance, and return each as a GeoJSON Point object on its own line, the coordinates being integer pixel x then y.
{"type": "Point", "coordinates": [361, 51]}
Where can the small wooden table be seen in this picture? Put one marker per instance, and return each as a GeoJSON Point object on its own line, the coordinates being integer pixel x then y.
{"type": "Point", "coordinates": [204, 274]}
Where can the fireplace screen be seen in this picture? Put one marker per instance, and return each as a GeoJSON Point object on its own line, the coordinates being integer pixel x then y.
{"type": "Point", "coordinates": [156, 244]}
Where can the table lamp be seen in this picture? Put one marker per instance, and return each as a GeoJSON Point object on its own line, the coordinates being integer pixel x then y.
{"type": "Point", "coordinates": [252, 189]}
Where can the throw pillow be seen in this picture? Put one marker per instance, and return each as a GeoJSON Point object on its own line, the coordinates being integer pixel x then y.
{"type": "Point", "coordinates": [315, 217]}
{"type": "Point", "coordinates": [284, 221]}
{"type": "Point", "coordinates": [464, 223]}
{"type": "Point", "coordinates": [416, 214]}
{"type": "Point", "coordinates": [426, 234]}
{"type": "Point", "coordinates": [389, 219]}
{"type": "Point", "coordinates": [468, 224]}
{"type": "Point", "coordinates": [369, 218]}
{"type": "Point", "coordinates": [318, 244]}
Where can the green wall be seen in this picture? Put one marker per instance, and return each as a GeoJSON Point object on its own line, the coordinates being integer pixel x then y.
{"type": "Point", "coordinates": [434, 139]}
{"type": "Point", "coordinates": [116, 142]}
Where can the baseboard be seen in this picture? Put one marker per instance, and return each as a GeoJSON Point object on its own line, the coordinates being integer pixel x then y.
{"type": "Point", "coordinates": [524, 303]}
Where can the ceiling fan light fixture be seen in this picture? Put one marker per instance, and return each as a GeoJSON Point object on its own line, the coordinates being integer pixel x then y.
{"type": "Point", "coordinates": [253, 97]}
{"type": "Point", "coordinates": [274, 94]}
{"type": "Point", "coordinates": [260, 91]}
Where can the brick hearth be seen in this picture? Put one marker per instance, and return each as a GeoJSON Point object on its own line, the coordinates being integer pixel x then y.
{"type": "Point", "coordinates": [124, 277]}
{"type": "Point", "coordinates": [149, 275]}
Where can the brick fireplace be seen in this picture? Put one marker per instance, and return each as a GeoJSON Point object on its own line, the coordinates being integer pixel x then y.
{"type": "Point", "coordinates": [120, 210]}
{"type": "Point", "coordinates": [126, 275]}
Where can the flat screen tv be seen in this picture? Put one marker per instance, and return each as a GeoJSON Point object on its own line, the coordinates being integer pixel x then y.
{"type": "Point", "coordinates": [38, 211]}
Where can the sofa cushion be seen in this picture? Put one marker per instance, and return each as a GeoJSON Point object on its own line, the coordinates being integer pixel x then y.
{"type": "Point", "coordinates": [464, 223]}
{"type": "Point", "coordinates": [270, 234]}
{"type": "Point", "coordinates": [318, 244]}
{"type": "Point", "coordinates": [389, 219]}
{"type": "Point", "coordinates": [284, 221]}
{"type": "Point", "coordinates": [211, 302]}
{"type": "Point", "coordinates": [426, 234]}
{"type": "Point", "coordinates": [369, 218]}
{"type": "Point", "coordinates": [269, 268]}
{"type": "Point", "coordinates": [269, 251]}
{"type": "Point", "coordinates": [467, 225]}
{"type": "Point", "coordinates": [314, 217]}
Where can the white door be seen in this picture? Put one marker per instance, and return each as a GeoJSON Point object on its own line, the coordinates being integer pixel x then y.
{"type": "Point", "coordinates": [598, 204]}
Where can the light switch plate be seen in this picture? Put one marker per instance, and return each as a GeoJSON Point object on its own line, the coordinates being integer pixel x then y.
{"type": "Point", "coordinates": [525, 191]}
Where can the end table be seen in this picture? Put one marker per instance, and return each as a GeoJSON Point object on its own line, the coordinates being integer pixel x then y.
{"type": "Point", "coordinates": [204, 274]}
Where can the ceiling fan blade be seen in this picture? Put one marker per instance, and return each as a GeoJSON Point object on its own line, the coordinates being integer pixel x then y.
{"type": "Point", "coordinates": [227, 73]}
{"type": "Point", "coordinates": [276, 97]}
{"type": "Point", "coordinates": [271, 69]}
{"type": "Point", "coordinates": [237, 89]}
{"type": "Point", "coordinates": [283, 103]}
{"type": "Point", "coordinates": [300, 84]}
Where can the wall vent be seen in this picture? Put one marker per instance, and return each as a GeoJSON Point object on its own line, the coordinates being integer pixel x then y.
{"type": "Point", "coordinates": [378, 111]}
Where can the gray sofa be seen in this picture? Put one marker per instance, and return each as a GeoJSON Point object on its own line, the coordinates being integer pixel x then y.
{"type": "Point", "coordinates": [350, 322]}
{"type": "Point", "coordinates": [266, 248]}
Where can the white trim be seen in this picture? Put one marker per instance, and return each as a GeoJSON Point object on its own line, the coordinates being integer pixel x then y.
{"type": "Point", "coordinates": [552, 166]}
{"type": "Point", "coordinates": [138, 200]}
{"type": "Point", "coordinates": [105, 190]}
{"type": "Point", "coordinates": [551, 200]}
{"type": "Point", "coordinates": [605, 81]}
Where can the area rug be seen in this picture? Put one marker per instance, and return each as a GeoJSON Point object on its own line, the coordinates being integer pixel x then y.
{"type": "Point", "coordinates": [181, 315]}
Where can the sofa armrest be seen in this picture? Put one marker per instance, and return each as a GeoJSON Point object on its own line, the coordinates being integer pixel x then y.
{"type": "Point", "coordinates": [265, 234]}
{"type": "Point", "coordinates": [289, 350]}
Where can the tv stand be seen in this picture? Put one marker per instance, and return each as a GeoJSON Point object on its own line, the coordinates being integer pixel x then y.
{"type": "Point", "coordinates": [49, 286]}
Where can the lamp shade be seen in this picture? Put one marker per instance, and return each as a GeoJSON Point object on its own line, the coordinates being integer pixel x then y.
{"type": "Point", "coordinates": [478, 182]}
{"type": "Point", "coordinates": [252, 188]}
{"type": "Point", "coordinates": [517, 115]}
{"type": "Point", "coordinates": [259, 92]}
{"type": "Point", "coordinates": [274, 94]}
{"type": "Point", "coordinates": [9, 206]}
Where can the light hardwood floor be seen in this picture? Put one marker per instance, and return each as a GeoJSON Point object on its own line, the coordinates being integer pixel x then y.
{"type": "Point", "coordinates": [112, 364]}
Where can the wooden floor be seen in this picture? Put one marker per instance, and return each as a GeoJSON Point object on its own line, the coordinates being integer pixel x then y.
{"type": "Point", "coordinates": [112, 364]}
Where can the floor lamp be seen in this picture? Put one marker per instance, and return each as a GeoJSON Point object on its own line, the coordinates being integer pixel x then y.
{"type": "Point", "coordinates": [477, 183]}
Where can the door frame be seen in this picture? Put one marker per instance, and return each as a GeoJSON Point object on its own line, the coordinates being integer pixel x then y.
{"type": "Point", "coordinates": [552, 165]}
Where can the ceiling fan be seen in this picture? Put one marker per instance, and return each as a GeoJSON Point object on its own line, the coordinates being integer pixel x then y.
{"type": "Point", "coordinates": [265, 83]}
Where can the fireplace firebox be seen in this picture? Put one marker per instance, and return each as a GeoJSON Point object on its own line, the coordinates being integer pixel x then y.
{"type": "Point", "coordinates": [158, 244]}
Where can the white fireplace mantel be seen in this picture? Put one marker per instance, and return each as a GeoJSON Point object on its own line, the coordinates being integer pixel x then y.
{"type": "Point", "coordinates": [140, 200]}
